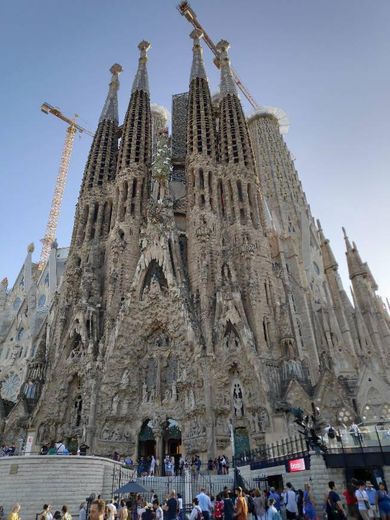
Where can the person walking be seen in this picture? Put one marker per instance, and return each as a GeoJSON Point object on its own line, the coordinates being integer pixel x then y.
{"type": "Point", "coordinates": [97, 509]}
{"type": "Point", "coordinates": [204, 504]}
{"type": "Point", "coordinates": [371, 493]}
{"type": "Point", "coordinates": [272, 513]}
{"type": "Point", "coordinates": [196, 513]}
{"type": "Point", "coordinates": [83, 511]}
{"type": "Point", "coordinates": [259, 504]}
{"type": "Point", "coordinates": [334, 507]}
{"type": "Point", "coordinates": [383, 502]}
{"type": "Point", "coordinates": [228, 506]}
{"type": "Point", "coordinates": [363, 502]}
{"type": "Point", "coordinates": [123, 511]}
{"type": "Point", "coordinates": [309, 510]}
{"type": "Point", "coordinates": [241, 505]}
{"type": "Point", "coordinates": [65, 513]}
{"type": "Point", "coordinates": [44, 513]}
{"type": "Point", "coordinates": [14, 513]}
{"type": "Point", "coordinates": [273, 494]}
{"type": "Point", "coordinates": [170, 507]}
{"type": "Point", "coordinates": [290, 501]}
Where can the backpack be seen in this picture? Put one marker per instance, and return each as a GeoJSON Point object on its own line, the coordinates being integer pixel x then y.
{"type": "Point", "coordinates": [251, 505]}
{"type": "Point", "coordinates": [200, 515]}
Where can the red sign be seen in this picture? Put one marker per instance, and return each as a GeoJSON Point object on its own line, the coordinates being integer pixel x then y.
{"type": "Point", "coordinates": [296, 465]}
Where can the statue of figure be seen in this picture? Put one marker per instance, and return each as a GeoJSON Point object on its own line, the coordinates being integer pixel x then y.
{"type": "Point", "coordinates": [191, 399]}
{"type": "Point", "coordinates": [174, 392]}
{"type": "Point", "coordinates": [78, 404]}
{"type": "Point", "coordinates": [144, 392]}
{"type": "Point", "coordinates": [167, 395]}
{"type": "Point", "coordinates": [263, 420]}
{"type": "Point", "coordinates": [237, 401]}
{"type": "Point", "coordinates": [152, 394]}
{"type": "Point", "coordinates": [115, 402]}
{"type": "Point", "coordinates": [125, 378]}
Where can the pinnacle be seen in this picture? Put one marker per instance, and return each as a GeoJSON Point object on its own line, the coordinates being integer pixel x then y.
{"type": "Point", "coordinates": [197, 69]}
{"type": "Point", "coordinates": [110, 109]}
{"type": "Point", "coordinates": [227, 84]}
{"type": "Point", "coordinates": [141, 81]}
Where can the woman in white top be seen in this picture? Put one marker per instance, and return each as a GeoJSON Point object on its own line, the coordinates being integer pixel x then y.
{"type": "Point", "coordinates": [196, 510]}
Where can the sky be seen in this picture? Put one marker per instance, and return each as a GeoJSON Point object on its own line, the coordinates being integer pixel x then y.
{"type": "Point", "coordinates": [324, 62]}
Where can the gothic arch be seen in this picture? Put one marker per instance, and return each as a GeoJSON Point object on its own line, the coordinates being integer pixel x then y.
{"type": "Point", "coordinates": [153, 274]}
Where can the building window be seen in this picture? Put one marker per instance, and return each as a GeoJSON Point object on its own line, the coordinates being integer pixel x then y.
{"type": "Point", "coordinates": [20, 334]}
{"type": "Point", "coordinates": [46, 282]}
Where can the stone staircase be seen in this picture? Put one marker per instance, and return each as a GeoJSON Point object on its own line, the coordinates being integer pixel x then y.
{"type": "Point", "coordinates": [56, 480]}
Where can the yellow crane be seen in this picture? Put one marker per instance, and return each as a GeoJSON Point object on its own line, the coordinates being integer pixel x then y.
{"type": "Point", "coordinates": [186, 10]}
{"type": "Point", "coordinates": [71, 131]}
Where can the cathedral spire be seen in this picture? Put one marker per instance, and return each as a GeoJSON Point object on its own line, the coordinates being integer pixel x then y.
{"type": "Point", "coordinates": [234, 135]}
{"type": "Point", "coordinates": [328, 257]}
{"type": "Point", "coordinates": [197, 69]}
{"type": "Point", "coordinates": [227, 83]}
{"type": "Point", "coordinates": [110, 109]}
{"type": "Point", "coordinates": [141, 81]}
{"type": "Point", "coordinates": [101, 161]}
{"type": "Point", "coordinates": [201, 134]}
{"type": "Point", "coordinates": [137, 127]}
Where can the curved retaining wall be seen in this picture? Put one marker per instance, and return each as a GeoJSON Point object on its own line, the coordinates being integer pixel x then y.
{"type": "Point", "coordinates": [56, 480]}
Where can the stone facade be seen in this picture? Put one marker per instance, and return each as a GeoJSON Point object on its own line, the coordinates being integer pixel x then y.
{"type": "Point", "coordinates": [200, 299]}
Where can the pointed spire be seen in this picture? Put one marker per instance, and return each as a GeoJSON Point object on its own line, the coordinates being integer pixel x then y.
{"type": "Point", "coordinates": [141, 81]}
{"type": "Point", "coordinates": [227, 84]}
{"type": "Point", "coordinates": [347, 242]}
{"type": "Point", "coordinates": [328, 257]}
{"type": "Point", "coordinates": [197, 69]}
{"type": "Point", "coordinates": [110, 109]}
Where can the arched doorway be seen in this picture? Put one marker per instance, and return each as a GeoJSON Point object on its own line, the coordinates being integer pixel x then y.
{"type": "Point", "coordinates": [241, 441]}
{"type": "Point", "coordinates": [171, 442]}
{"type": "Point", "coordinates": [146, 440]}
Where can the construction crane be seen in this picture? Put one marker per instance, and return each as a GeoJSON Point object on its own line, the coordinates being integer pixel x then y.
{"type": "Point", "coordinates": [71, 131]}
{"type": "Point", "coordinates": [185, 9]}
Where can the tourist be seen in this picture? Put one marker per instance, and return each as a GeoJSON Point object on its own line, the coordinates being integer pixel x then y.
{"type": "Point", "coordinates": [152, 466]}
{"type": "Point", "coordinates": [354, 430]}
{"type": "Point", "coordinates": [383, 502]}
{"type": "Point", "coordinates": [158, 512]}
{"type": "Point", "coordinates": [170, 507]}
{"type": "Point", "coordinates": [83, 448]}
{"type": "Point", "coordinates": [65, 513]}
{"type": "Point", "coordinates": [83, 511]}
{"type": "Point", "coordinates": [228, 506]}
{"type": "Point", "coordinates": [44, 449]}
{"type": "Point", "coordinates": [334, 507]}
{"type": "Point", "coordinates": [273, 494]}
{"type": "Point", "coordinates": [218, 507]}
{"type": "Point", "coordinates": [96, 511]}
{"type": "Point", "coordinates": [299, 496]}
{"type": "Point", "coordinates": [14, 513]}
{"type": "Point", "coordinates": [272, 513]}
{"type": "Point", "coordinates": [43, 514]}
{"type": "Point", "coordinates": [204, 504]}
{"type": "Point", "coordinates": [309, 510]}
{"type": "Point", "coordinates": [123, 511]}
{"type": "Point", "coordinates": [363, 502]}
{"type": "Point", "coordinates": [240, 506]}
{"type": "Point", "coordinates": [196, 513]}
{"type": "Point", "coordinates": [111, 510]}
{"type": "Point", "coordinates": [351, 500]}
{"type": "Point", "coordinates": [148, 514]}
{"type": "Point", "coordinates": [290, 501]}
{"type": "Point", "coordinates": [371, 493]}
{"type": "Point", "coordinates": [259, 504]}
{"type": "Point", "coordinates": [180, 506]}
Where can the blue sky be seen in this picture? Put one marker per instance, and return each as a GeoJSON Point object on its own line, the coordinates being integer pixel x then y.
{"type": "Point", "coordinates": [325, 62]}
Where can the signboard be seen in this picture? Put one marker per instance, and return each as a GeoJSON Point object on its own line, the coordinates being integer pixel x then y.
{"type": "Point", "coordinates": [296, 465]}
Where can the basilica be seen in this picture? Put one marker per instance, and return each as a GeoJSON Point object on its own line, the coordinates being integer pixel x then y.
{"type": "Point", "coordinates": [199, 300]}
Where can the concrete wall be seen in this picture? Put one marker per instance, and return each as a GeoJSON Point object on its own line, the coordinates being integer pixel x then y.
{"type": "Point", "coordinates": [56, 480]}
{"type": "Point", "coordinates": [318, 476]}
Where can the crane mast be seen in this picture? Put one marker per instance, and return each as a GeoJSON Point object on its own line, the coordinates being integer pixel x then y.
{"type": "Point", "coordinates": [52, 223]}
{"type": "Point", "coordinates": [186, 10]}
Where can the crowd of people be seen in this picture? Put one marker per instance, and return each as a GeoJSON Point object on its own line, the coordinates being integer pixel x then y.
{"type": "Point", "coordinates": [363, 502]}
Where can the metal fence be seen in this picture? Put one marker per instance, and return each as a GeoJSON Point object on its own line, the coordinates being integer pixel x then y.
{"type": "Point", "coordinates": [274, 453]}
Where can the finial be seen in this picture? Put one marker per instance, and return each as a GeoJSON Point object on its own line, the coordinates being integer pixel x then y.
{"type": "Point", "coordinates": [4, 282]}
{"type": "Point", "coordinates": [141, 78]}
{"type": "Point", "coordinates": [31, 248]}
{"type": "Point", "coordinates": [197, 69]}
{"type": "Point", "coordinates": [319, 225]}
{"type": "Point", "coordinates": [227, 84]}
{"type": "Point", "coordinates": [116, 69]}
{"type": "Point", "coordinates": [347, 242]}
{"type": "Point", "coordinates": [110, 109]}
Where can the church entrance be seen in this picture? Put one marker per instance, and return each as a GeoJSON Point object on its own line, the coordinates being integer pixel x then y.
{"type": "Point", "coordinates": [241, 442]}
{"type": "Point", "coordinates": [146, 440]}
{"type": "Point", "coordinates": [171, 443]}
